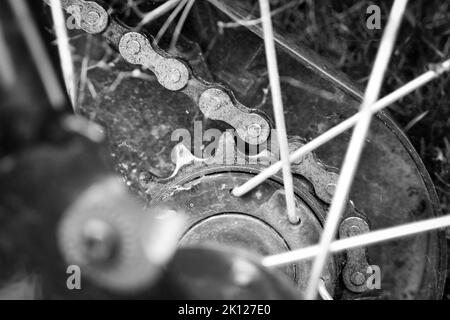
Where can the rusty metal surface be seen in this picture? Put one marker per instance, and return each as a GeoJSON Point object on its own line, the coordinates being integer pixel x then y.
{"type": "Point", "coordinates": [355, 269]}
{"type": "Point", "coordinates": [391, 186]}
{"type": "Point", "coordinates": [257, 222]}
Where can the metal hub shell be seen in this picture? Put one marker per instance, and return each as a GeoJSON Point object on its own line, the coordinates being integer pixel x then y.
{"type": "Point", "coordinates": [257, 222]}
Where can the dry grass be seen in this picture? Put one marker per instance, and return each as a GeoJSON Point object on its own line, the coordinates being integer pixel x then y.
{"type": "Point", "coordinates": [338, 31]}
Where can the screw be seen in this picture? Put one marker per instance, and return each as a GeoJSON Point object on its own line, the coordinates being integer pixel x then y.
{"type": "Point", "coordinates": [358, 278]}
{"type": "Point", "coordinates": [92, 17]}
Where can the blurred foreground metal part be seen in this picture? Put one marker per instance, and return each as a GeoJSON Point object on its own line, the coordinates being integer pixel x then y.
{"type": "Point", "coordinates": [116, 243]}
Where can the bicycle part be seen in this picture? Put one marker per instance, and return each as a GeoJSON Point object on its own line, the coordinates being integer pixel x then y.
{"type": "Point", "coordinates": [355, 269]}
{"type": "Point", "coordinates": [171, 72]}
{"type": "Point", "coordinates": [119, 246]}
{"type": "Point", "coordinates": [389, 196]}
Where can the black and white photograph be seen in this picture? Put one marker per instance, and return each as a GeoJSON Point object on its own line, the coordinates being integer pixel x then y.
{"type": "Point", "coordinates": [226, 155]}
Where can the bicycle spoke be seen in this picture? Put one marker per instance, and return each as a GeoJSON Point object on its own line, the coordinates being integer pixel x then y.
{"type": "Point", "coordinates": [169, 20]}
{"type": "Point", "coordinates": [363, 240]}
{"type": "Point", "coordinates": [252, 22]}
{"type": "Point", "coordinates": [396, 95]}
{"type": "Point", "coordinates": [323, 292]}
{"type": "Point", "coordinates": [277, 102]}
{"type": "Point", "coordinates": [38, 53]}
{"type": "Point", "coordinates": [356, 145]}
{"type": "Point", "coordinates": [180, 24]}
{"type": "Point", "coordinates": [306, 58]}
{"type": "Point", "coordinates": [158, 12]}
{"type": "Point", "coordinates": [84, 72]}
{"type": "Point", "coordinates": [65, 55]}
{"type": "Point", "coordinates": [7, 71]}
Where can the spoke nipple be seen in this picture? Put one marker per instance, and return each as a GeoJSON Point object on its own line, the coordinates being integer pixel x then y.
{"type": "Point", "coordinates": [295, 220]}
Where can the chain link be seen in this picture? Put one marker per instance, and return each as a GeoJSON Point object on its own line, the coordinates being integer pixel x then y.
{"type": "Point", "coordinates": [215, 101]}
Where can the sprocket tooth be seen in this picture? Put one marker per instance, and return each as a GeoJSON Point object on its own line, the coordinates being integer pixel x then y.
{"type": "Point", "coordinates": [310, 167]}
{"type": "Point", "coordinates": [181, 156]}
{"type": "Point", "coordinates": [226, 153]}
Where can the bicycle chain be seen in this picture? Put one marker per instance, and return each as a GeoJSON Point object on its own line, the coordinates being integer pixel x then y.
{"type": "Point", "coordinates": [215, 101]}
